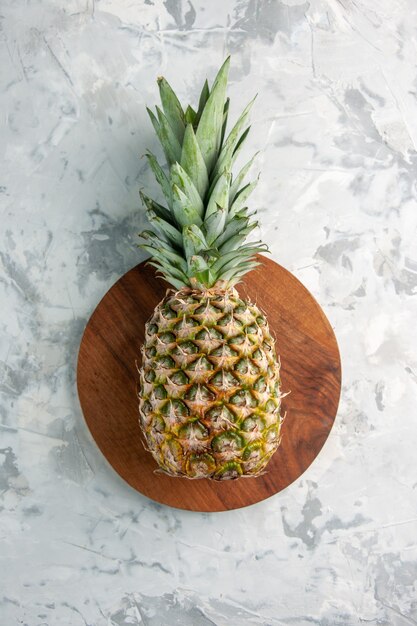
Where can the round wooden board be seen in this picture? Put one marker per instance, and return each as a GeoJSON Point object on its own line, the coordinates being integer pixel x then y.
{"type": "Point", "coordinates": [107, 380]}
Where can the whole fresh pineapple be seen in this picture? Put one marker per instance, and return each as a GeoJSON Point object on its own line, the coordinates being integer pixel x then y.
{"type": "Point", "coordinates": [209, 397]}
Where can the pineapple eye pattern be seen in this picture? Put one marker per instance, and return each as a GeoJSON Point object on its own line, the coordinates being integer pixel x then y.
{"type": "Point", "coordinates": [146, 408]}
{"type": "Point", "coordinates": [159, 392]}
{"type": "Point", "coordinates": [230, 441]}
{"type": "Point", "coordinates": [207, 309]}
{"type": "Point", "coordinates": [223, 419]}
{"type": "Point", "coordinates": [150, 352]}
{"type": "Point", "coordinates": [179, 378]}
{"type": "Point", "coordinates": [165, 362]}
{"type": "Point", "coordinates": [176, 407]}
{"type": "Point", "coordinates": [158, 424]}
{"type": "Point", "coordinates": [260, 385]}
{"type": "Point", "coordinates": [200, 465]}
{"type": "Point", "coordinates": [167, 338]}
{"type": "Point", "coordinates": [199, 393]}
{"type": "Point", "coordinates": [201, 364]}
{"type": "Point", "coordinates": [168, 313]}
{"type": "Point", "coordinates": [220, 417]}
{"type": "Point", "coordinates": [208, 334]}
{"type": "Point", "coordinates": [217, 413]}
{"type": "Point", "coordinates": [150, 376]}
{"type": "Point", "coordinates": [251, 424]}
{"type": "Point", "coordinates": [224, 350]}
{"type": "Point", "coordinates": [188, 347]}
{"type": "Point", "coordinates": [223, 380]}
{"type": "Point", "coordinates": [186, 323]}
{"type": "Point", "coordinates": [193, 430]}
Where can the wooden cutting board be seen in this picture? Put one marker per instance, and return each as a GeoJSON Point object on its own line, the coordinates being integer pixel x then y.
{"type": "Point", "coordinates": [107, 381]}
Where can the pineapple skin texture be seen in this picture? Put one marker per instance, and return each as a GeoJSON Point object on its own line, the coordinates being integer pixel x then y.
{"type": "Point", "coordinates": [209, 392]}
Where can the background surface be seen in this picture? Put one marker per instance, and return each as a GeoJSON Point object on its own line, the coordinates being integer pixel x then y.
{"type": "Point", "coordinates": [336, 123]}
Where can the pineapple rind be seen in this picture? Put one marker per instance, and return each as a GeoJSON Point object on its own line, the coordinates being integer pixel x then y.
{"type": "Point", "coordinates": [210, 395]}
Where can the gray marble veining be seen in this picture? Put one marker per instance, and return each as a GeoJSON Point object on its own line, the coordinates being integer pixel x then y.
{"type": "Point", "coordinates": [336, 124]}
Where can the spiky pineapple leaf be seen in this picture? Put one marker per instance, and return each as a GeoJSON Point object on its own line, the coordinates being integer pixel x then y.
{"type": "Point", "coordinates": [214, 224]}
{"type": "Point", "coordinates": [165, 228]}
{"type": "Point", "coordinates": [220, 194]}
{"type": "Point", "coordinates": [194, 240]}
{"type": "Point", "coordinates": [233, 275]}
{"type": "Point", "coordinates": [169, 142]}
{"type": "Point", "coordinates": [160, 176]}
{"type": "Point", "coordinates": [204, 96]}
{"type": "Point", "coordinates": [172, 108]}
{"type": "Point", "coordinates": [200, 270]}
{"type": "Point", "coordinates": [192, 161]}
{"type": "Point", "coordinates": [178, 283]}
{"type": "Point", "coordinates": [232, 228]}
{"type": "Point", "coordinates": [240, 143]}
{"type": "Point", "coordinates": [190, 115]}
{"type": "Point", "coordinates": [234, 242]}
{"type": "Point", "coordinates": [210, 124]}
{"type": "Point", "coordinates": [236, 182]}
{"type": "Point", "coordinates": [153, 242]}
{"type": "Point", "coordinates": [241, 197]}
{"type": "Point", "coordinates": [157, 208]}
{"type": "Point", "coordinates": [163, 255]}
{"type": "Point", "coordinates": [180, 178]}
{"type": "Point", "coordinates": [236, 257]}
{"type": "Point", "coordinates": [226, 154]}
{"type": "Point", "coordinates": [225, 116]}
{"type": "Point", "coordinates": [168, 271]}
{"type": "Point", "coordinates": [184, 210]}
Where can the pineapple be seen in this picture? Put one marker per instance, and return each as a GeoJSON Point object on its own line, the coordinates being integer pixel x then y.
{"type": "Point", "coordinates": [209, 392]}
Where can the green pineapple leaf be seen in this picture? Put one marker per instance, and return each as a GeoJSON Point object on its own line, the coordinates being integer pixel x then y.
{"type": "Point", "coordinates": [241, 197]}
{"type": "Point", "coordinates": [214, 224]}
{"type": "Point", "coordinates": [234, 242]}
{"type": "Point", "coordinates": [192, 161]}
{"type": "Point", "coordinates": [164, 255]}
{"type": "Point", "coordinates": [190, 115]}
{"type": "Point", "coordinates": [225, 115]}
{"type": "Point", "coordinates": [200, 270]}
{"type": "Point", "coordinates": [210, 124]}
{"type": "Point", "coordinates": [240, 143]}
{"type": "Point", "coordinates": [170, 143]}
{"type": "Point", "coordinates": [157, 208]}
{"type": "Point", "coordinates": [233, 227]}
{"type": "Point", "coordinates": [236, 183]}
{"type": "Point", "coordinates": [220, 194]}
{"type": "Point", "coordinates": [233, 275]}
{"type": "Point", "coordinates": [183, 208]}
{"type": "Point", "coordinates": [168, 270]}
{"type": "Point", "coordinates": [194, 240]}
{"type": "Point", "coordinates": [180, 178]}
{"type": "Point", "coordinates": [155, 240]}
{"type": "Point", "coordinates": [172, 108]}
{"type": "Point", "coordinates": [164, 134]}
{"type": "Point", "coordinates": [226, 154]}
{"type": "Point", "coordinates": [204, 96]}
{"type": "Point", "coordinates": [236, 257]}
{"type": "Point", "coordinates": [160, 176]}
{"type": "Point", "coordinates": [165, 228]}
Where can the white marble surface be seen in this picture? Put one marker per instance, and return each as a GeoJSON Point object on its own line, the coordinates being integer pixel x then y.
{"type": "Point", "coordinates": [336, 122]}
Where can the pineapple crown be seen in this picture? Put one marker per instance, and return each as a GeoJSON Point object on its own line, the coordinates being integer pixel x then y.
{"type": "Point", "coordinates": [199, 237]}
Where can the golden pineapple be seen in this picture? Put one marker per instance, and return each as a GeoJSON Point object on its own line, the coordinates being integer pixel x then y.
{"type": "Point", "coordinates": [209, 397]}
